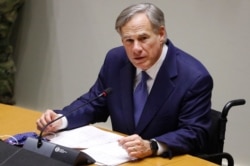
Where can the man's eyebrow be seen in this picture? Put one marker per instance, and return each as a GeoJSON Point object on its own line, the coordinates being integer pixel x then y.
{"type": "Point", "coordinates": [129, 36]}
{"type": "Point", "coordinates": [126, 37]}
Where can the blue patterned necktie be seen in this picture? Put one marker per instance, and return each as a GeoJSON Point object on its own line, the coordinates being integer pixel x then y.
{"type": "Point", "coordinates": [140, 96]}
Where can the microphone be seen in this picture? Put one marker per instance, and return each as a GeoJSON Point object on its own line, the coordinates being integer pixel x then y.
{"type": "Point", "coordinates": [68, 155]}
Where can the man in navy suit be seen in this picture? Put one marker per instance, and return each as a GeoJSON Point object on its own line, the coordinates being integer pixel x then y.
{"type": "Point", "coordinates": [176, 115]}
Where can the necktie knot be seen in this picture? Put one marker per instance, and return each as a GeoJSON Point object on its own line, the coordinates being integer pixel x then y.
{"type": "Point", "coordinates": [144, 77]}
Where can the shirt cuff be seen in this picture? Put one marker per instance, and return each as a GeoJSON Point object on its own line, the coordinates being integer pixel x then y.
{"type": "Point", "coordinates": [64, 122]}
{"type": "Point", "coordinates": [161, 148]}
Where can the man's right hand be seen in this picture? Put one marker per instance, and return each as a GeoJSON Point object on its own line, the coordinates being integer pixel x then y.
{"type": "Point", "coordinates": [47, 117]}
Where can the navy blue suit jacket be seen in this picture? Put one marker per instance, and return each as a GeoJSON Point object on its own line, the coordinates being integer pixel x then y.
{"type": "Point", "coordinates": [177, 111]}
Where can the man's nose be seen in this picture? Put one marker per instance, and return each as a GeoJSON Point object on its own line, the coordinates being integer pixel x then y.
{"type": "Point", "coordinates": [137, 46]}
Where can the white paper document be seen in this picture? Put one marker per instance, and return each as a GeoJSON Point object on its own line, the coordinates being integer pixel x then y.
{"type": "Point", "coordinates": [99, 144]}
{"type": "Point", "coordinates": [84, 137]}
{"type": "Point", "coordinates": [108, 154]}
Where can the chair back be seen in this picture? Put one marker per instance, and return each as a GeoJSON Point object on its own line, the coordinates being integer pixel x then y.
{"type": "Point", "coordinates": [214, 149]}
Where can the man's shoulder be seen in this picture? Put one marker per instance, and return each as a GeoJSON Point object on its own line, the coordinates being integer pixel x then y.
{"type": "Point", "coordinates": [118, 49]}
{"type": "Point", "coordinates": [117, 55]}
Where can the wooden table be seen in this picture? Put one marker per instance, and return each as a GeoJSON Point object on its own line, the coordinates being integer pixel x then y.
{"type": "Point", "coordinates": [14, 120]}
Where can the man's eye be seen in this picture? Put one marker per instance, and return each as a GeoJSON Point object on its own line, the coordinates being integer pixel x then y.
{"type": "Point", "coordinates": [143, 38]}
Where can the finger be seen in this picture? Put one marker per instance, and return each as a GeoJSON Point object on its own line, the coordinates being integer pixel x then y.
{"type": "Point", "coordinates": [134, 152]}
{"type": "Point", "coordinates": [44, 119]}
{"type": "Point", "coordinates": [39, 121]}
{"type": "Point", "coordinates": [132, 149]}
{"type": "Point", "coordinates": [127, 145]}
{"type": "Point", "coordinates": [38, 125]}
{"type": "Point", "coordinates": [47, 118]}
{"type": "Point", "coordinates": [126, 139]}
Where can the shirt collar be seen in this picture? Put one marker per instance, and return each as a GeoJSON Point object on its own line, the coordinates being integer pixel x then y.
{"type": "Point", "coordinates": [153, 70]}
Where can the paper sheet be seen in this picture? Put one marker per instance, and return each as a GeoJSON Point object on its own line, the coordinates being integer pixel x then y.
{"type": "Point", "coordinates": [108, 154]}
{"type": "Point", "coordinates": [84, 137]}
{"type": "Point", "coordinates": [100, 145]}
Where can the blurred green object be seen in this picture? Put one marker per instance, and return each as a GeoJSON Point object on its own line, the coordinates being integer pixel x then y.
{"type": "Point", "coordinates": [9, 10]}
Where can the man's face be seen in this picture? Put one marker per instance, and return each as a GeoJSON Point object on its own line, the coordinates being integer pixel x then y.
{"type": "Point", "coordinates": [143, 45]}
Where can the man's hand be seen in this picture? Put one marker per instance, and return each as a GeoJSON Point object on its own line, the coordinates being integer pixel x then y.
{"type": "Point", "coordinates": [135, 146]}
{"type": "Point", "coordinates": [47, 117]}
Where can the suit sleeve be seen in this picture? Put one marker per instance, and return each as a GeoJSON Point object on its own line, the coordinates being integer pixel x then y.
{"type": "Point", "coordinates": [194, 120]}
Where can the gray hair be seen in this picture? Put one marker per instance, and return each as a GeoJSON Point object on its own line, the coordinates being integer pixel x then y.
{"type": "Point", "coordinates": [154, 14]}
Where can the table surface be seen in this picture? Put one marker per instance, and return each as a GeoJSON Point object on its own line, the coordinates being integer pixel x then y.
{"type": "Point", "coordinates": [15, 120]}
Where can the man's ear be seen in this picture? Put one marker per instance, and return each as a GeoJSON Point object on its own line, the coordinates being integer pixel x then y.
{"type": "Point", "coordinates": [162, 34]}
